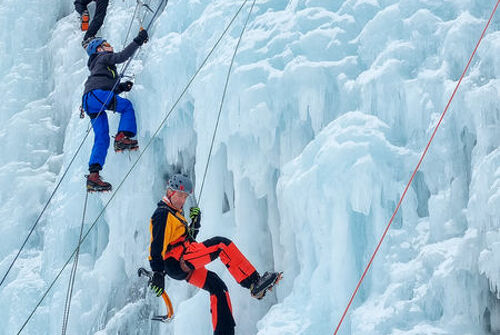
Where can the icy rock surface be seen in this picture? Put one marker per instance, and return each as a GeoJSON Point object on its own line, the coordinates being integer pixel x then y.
{"type": "Point", "coordinates": [329, 106]}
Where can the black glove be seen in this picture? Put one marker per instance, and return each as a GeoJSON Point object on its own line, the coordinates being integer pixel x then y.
{"type": "Point", "coordinates": [142, 37]}
{"type": "Point", "coordinates": [157, 283]}
{"type": "Point", "coordinates": [194, 227]}
{"type": "Point", "coordinates": [125, 87]}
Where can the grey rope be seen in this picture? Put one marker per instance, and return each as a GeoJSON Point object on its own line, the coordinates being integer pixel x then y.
{"type": "Point", "coordinates": [222, 102]}
{"type": "Point", "coordinates": [72, 277]}
{"type": "Point", "coordinates": [141, 19]}
{"type": "Point", "coordinates": [130, 25]}
{"type": "Point", "coordinates": [130, 170]}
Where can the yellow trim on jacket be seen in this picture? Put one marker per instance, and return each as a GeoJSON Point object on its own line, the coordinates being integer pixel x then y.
{"type": "Point", "coordinates": [174, 228]}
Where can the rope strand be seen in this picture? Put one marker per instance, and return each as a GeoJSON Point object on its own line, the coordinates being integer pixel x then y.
{"type": "Point", "coordinates": [414, 173]}
{"type": "Point", "coordinates": [72, 277]}
{"type": "Point", "coordinates": [130, 25]}
{"type": "Point", "coordinates": [222, 103]}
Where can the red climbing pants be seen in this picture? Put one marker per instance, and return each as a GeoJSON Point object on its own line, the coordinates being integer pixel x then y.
{"type": "Point", "coordinates": [194, 256]}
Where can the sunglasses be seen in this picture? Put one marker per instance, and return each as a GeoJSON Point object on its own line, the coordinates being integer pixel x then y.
{"type": "Point", "coordinates": [105, 44]}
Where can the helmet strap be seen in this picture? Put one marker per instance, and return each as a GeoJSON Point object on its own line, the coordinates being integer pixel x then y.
{"type": "Point", "coordinates": [168, 199]}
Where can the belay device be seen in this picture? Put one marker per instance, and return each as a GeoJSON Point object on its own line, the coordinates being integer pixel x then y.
{"type": "Point", "coordinates": [170, 310]}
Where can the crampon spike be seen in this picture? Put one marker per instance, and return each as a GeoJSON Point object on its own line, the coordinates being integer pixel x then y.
{"type": "Point", "coordinates": [162, 318]}
{"type": "Point", "coordinates": [124, 150]}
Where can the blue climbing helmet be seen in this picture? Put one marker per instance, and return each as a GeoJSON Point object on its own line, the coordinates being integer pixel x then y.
{"type": "Point", "coordinates": [179, 182]}
{"type": "Point", "coordinates": [94, 44]}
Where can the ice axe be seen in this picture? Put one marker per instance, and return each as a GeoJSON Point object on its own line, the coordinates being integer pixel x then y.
{"type": "Point", "coordinates": [140, 3]}
{"type": "Point", "coordinates": [170, 310]}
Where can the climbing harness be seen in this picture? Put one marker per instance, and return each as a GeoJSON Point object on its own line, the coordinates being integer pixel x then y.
{"type": "Point", "coordinates": [414, 172]}
{"type": "Point", "coordinates": [107, 106]}
{"type": "Point", "coordinates": [72, 276]}
{"type": "Point", "coordinates": [163, 3]}
{"type": "Point", "coordinates": [222, 101]}
{"type": "Point", "coordinates": [160, 127]}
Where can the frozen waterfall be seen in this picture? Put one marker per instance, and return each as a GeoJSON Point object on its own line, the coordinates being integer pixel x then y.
{"type": "Point", "coordinates": [329, 107]}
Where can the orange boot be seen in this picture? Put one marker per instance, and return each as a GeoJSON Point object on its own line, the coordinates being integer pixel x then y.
{"type": "Point", "coordinates": [85, 18]}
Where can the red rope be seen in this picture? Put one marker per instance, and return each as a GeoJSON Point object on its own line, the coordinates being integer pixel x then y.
{"type": "Point", "coordinates": [414, 172]}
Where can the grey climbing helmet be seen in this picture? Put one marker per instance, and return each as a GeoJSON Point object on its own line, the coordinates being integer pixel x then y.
{"type": "Point", "coordinates": [179, 182]}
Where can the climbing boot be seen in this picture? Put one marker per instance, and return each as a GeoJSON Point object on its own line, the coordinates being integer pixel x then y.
{"type": "Point", "coordinates": [96, 184]}
{"type": "Point", "coordinates": [265, 283]}
{"type": "Point", "coordinates": [123, 142]}
{"type": "Point", "coordinates": [84, 20]}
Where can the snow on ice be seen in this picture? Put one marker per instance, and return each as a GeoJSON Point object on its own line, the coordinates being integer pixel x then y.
{"type": "Point", "coordinates": [329, 106]}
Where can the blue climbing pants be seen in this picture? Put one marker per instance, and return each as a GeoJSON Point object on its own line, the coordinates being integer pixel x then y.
{"type": "Point", "coordinates": [93, 103]}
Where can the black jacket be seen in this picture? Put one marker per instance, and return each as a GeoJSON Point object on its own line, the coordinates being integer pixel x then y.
{"type": "Point", "coordinates": [103, 72]}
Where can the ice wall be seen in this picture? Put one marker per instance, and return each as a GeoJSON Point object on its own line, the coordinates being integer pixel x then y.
{"type": "Point", "coordinates": [329, 106]}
